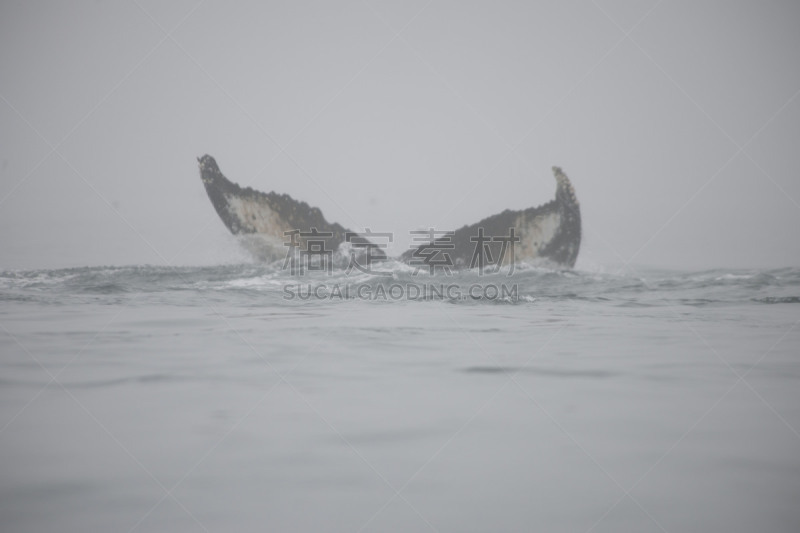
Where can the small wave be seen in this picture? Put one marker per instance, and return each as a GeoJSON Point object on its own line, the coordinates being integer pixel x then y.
{"type": "Point", "coordinates": [249, 283]}
{"type": "Point", "coordinates": [38, 279]}
{"type": "Point", "coordinates": [778, 300]}
{"type": "Point", "coordinates": [105, 288]}
{"type": "Point", "coordinates": [143, 379]}
{"type": "Point", "coordinates": [540, 371]}
{"type": "Point", "coordinates": [734, 277]}
{"type": "Point", "coordinates": [9, 297]}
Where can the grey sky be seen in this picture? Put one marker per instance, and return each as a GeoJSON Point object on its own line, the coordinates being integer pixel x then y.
{"type": "Point", "coordinates": [681, 140]}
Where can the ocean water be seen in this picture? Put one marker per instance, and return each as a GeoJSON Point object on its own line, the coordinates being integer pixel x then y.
{"type": "Point", "coordinates": [226, 398]}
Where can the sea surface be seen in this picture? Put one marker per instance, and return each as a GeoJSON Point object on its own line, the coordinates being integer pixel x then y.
{"type": "Point", "coordinates": [241, 398]}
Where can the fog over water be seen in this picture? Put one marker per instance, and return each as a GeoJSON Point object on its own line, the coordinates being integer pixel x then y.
{"type": "Point", "coordinates": [680, 138]}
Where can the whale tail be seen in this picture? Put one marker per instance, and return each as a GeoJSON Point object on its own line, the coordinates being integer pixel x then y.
{"type": "Point", "coordinates": [271, 222]}
{"type": "Point", "coordinates": [551, 231]}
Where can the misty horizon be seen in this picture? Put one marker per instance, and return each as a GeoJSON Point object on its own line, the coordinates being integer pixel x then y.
{"type": "Point", "coordinates": [679, 138]}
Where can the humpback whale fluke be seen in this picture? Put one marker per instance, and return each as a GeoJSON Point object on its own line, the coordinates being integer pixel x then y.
{"type": "Point", "coordinates": [271, 215]}
{"type": "Point", "coordinates": [551, 231]}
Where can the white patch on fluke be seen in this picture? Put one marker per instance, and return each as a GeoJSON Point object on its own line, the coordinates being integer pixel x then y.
{"type": "Point", "coordinates": [537, 233]}
{"type": "Point", "coordinates": [257, 216]}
